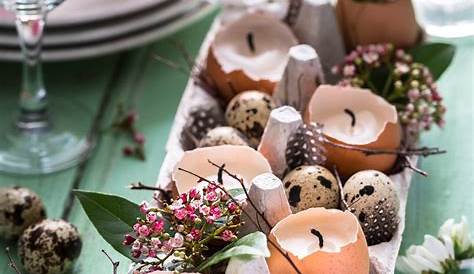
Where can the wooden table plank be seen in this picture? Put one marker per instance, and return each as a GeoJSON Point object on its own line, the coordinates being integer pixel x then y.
{"type": "Point", "coordinates": [83, 82]}
{"type": "Point", "coordinates": [448, 191]}
{"type": "Point", "coordinates": [154, 90]}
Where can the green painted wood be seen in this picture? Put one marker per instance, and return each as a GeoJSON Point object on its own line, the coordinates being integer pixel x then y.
{"type": "Point", "coordinates": [448, 191]}
{"type": "Point", "coordinates": [154, 90]}
{"type": "Point", "coordinates": [84, 82]}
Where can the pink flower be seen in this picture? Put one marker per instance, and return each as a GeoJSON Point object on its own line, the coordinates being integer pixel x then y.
{"type": "Point", "coordinates": [180, 213]}
{"type": "Point", "coordinates": [211, 187]}
{"type": "Point", "coordinates": [204, 210]}
{"type": "Point", "coordinates": [184, 198]}
{"type": "Point", "coordinates": [137, 245]}
{"type": "Point", "coordinates": [151, 216]}
{"type": "Point", "coordinates": [211, 196]}
{"type": "Point", "coordinates": [158, 226]}
{"type": "Point", "coordinates": [139, 138]}
{"type": "Point", "coordinates": [413, 94]}
{"type": "Point", "coordinates": [155, 242]}
{"type": "Point", "coordinates": [216, 212]}
{"type": "Point", "coordinates": [232, 207]}
{"type": "Point", "coordinates": [177, 240]}
{"type": "Point", "coordinates": [144, 250]}
{"type": "Point", "coordinates": [402, 67]}
{"type": "Point", "coordinates": [370, 57]}
{"type": "Point", "coordinates": [144, 207]}
{"type": "Point", "coordinates": [136, 227]}
{"type": "Point", "coordinates": [152, 253]}
{"type": "Point", "coordinates": [195, 233]}
{"type": "Point", "coordinates": [128, 240]}
{"type": "Point", "coordinates": [136, 253]}
{"type": "Point", "coordinates": [144, 231]}
{"type": "Point", "coordinates": [227, 235]}
{"type": "Point", "coordinates": [193, 193]}
{"type": "Point", "coordinates": [190, 209]}
{"type": "Point", "coordinates": [166, 247]}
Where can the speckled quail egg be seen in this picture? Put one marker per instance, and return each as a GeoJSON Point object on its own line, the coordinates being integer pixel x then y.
{"type": "Point", "coordinates": [223, 136]}
{"type": "Point", "coordinates": [311, 186]}
{"type": "Point", "coordinates": [49, 247]}
{"type": "Point", "coordinates": [371, 196]}
{"type": "Point", "coordinates": [200, 121]}
{"type": "Point", "coordinates": [249, 112]}
{"type": "Point", "coordinates": [19, 208]}
{"type": "Point", "coordinates": [304, 146]}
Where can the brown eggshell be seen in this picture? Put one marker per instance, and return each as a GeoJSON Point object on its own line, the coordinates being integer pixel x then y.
{"type": "Point", "coordinates": [240, 160]}
{"type": "Point", "coordinates": [229, 61]}
{"type": "Point", "coordinates": [344, 249]}
{"type": "Point", "coordinates": [349, 161]}
{"type": "Point", "coordinates": [369, 23]}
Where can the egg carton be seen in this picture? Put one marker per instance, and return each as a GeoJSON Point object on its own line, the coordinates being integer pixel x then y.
{"type": "Point", "coordinates": [382, 256]}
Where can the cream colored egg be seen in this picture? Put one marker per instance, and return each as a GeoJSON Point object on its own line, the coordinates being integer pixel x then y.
{"type": "Point", "coordinates": [223, 136]}
{"type": "Point", "coordinates": [311, 186]}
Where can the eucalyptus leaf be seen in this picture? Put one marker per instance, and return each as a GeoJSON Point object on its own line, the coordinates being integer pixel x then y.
{"type": "Point", "coordinates": [247, 247]}
{"type": "Point", "coordinates": [436, 56]}
{"type": "Point", "coordinates": [112, 216]}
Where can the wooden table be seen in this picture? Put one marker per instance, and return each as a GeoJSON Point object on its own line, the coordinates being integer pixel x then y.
{"type": "Point", "coordinates": [137, 80]}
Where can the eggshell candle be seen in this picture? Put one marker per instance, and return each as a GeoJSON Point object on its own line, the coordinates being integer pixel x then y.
{"type": "Point", "coordinates": [243, 161]}
{"type": "Point", "coordinates": [357, 117]}
{"type": "Point", "coordinates": [249, 54]}
{"type": "Point", "coordinates": [320, 240]}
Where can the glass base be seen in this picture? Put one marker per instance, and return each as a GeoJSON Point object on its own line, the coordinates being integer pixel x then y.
{"type": "Point", "coordinates": [64, 144]}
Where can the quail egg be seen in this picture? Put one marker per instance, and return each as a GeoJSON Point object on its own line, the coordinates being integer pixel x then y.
{"type": "Point", "coordinates": [249, 112]}
{"type": "Point", "coordinates": [304, 147]}
{"type": "Point", "coordinates": [371, 196]}
{"type": "Point", "coordinates": [19, 208]}
{"type": "Point", "coordinates": [223, 136]}
{"type": "Point", "coordinates": [49, 247]}
{"type": "Point", "coordinates": [200, 121]}
{"type": "Point", "coordinates": [311, 186]}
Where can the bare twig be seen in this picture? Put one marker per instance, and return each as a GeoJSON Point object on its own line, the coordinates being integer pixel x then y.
{"type": "Point", "coordinates": [408, 164]}
{"type": "Point", "coordinates": [141, 186]}
{"type": "Point", "coordinates": [11, 262]}
{"type": "Point", "coordinates": [172, 64]}
{"type": "Point", "coordinates": [115, 264]}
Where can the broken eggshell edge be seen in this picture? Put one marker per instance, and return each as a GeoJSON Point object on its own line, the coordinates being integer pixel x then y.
{"type": "Point", "coordinates": [382, 256]}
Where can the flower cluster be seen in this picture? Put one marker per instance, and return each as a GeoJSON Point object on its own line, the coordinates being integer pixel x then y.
{"type": "Point", "coordinates": [392, 74]}
{"type": "Point", "coordinates": [126, 122]}
{"type": "Point", "coordinates": [184, 230]}
{"type": "Point", "coordinates": [445, 254]}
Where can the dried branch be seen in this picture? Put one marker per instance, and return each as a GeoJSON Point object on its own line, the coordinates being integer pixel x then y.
{"type": "Point", "coordinates": [11, 262]}
{"type": "Point", "coordinates": [114, 264]}
{"type": "Point", "coordinates": [140, 186]}
{"type": "Point", "coordinates": [408, 164]}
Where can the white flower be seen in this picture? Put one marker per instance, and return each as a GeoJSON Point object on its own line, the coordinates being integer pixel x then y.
{"type": "Point", "coordinates": [428, 257]}
{"type": "Point", "coordinates": [458, 232]}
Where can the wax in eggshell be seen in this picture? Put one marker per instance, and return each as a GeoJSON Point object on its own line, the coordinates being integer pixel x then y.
{"type": "Point", "coordinates": [356, 117]}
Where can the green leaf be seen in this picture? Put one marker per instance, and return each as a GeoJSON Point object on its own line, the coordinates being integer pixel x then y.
{"type": "Point", "coordinates": [235, 192]}
{"type": "Point", "coordinates": [254, 244]}
{"type": "Point", "coordinates": [436, 56]}
{"type": "Point", "coordinates": [112, 216]}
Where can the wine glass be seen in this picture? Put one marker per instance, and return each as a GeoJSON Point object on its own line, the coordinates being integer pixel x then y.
{"type": "Point", "coordinates": [39, 137]}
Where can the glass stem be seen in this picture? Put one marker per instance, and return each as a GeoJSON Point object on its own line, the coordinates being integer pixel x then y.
{"type": "Point", "coordinates": [33, 97]}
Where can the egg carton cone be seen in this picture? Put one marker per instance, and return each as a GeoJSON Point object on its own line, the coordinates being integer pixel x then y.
{"type": "Point", "coordinates": [382, 256]}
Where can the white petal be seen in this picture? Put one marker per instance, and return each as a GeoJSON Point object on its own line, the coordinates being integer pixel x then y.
{"type": "Point", "coordinates": [449, 246]}
{"type": "Point", "coordinates": [427, 264]}
{"type": "Point", "coordinates": [436, 247]}
{"type": "Point", "coordinates": [414, 264]}
{"type": "Point", "coordinates": [446, 228]}
{"type": "Point", "coordinates": [404, 267]}
{"type": "Point", "coordinates": [425, 253]}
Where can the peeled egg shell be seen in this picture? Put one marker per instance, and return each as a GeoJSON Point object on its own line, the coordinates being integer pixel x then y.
{"type": "Point", "coordinates": [49, 247]}
{"type": "Point", "coordinates": [249, 112]}
{"type": "Point", "coordinates": [319, 240]}
{"type": "Point", "coordinates": [243, 161]}
{"type": "Point", "coordinates": [311, 186]}
{"type": "Point", "coordinates": [371, 196]}
{"type": "Point", "coordinates": [235, 68]}
{"type": "Point", "coordinates": [19, 208]}
{"type": "Point", "coordinates": [223, 136]}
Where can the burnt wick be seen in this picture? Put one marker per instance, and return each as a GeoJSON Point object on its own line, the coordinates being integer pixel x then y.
{"type": "Point", "coordinates": [353, 117]}
{"type": "Point", "coordinates": [320, 237]}
{"type": "Point", "coordinates": [251, 42]}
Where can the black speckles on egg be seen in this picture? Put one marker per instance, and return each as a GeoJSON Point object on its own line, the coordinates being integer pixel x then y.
{"type": "Point", "coordinates": [49, 247]}
{"type": "Point", "coordinates": [311, 186]}
{"type": "Point", "coordinates": [19, 208]}
{"type": "Point", "coordinates": [199, 122]}
{"type": "Point", "coordinates": [223, 136]}
{"type": "Point", "coordinates": [375, 203]}
{"type": "Point", "coordinates": [304, 147]}
{"type": "Point", "coordinates": [249, 112]}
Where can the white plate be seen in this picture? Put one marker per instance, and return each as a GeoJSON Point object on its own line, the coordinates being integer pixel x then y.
{"type": "Point", "coordinates": [111, 46]}
{"type": "Point", "coordinates": [89, 33]}
{"type": "Point", "coordinates": [76, 12]}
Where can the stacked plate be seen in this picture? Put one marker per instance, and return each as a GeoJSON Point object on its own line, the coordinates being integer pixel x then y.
{"type": "Point", "coordinates": [88, 28]}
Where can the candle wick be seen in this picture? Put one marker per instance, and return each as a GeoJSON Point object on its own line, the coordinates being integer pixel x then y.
{"type": "Point", "coordinates": [319, 235]}
{"type": "Point", "coordinates": [352, 115]}
{"type": "Point", "coordinates": [251, 42]}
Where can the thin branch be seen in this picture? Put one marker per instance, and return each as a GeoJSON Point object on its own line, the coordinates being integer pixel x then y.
{"type": "Point", "coordinates": [11, 262]}
{"type": "Point", "coordinates": [339, 182]}
{"type": "Point", "coordinates": [408, 164]}
{"type": "Point", "coordinates": [171, 64]}
{"type": "Point", "coordinates": [186, 55]}
{"type": "Point", "coordinates": [114, 264]}
{"type": "Point", "coordinates": [141, 186]}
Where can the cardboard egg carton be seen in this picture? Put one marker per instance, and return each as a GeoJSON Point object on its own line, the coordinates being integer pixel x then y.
{"type": "Point", "coordinates": [382, 256]}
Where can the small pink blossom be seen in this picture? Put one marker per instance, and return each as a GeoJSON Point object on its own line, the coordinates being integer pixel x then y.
{"type": "Point", "coordinates": [155, 242]}
{"type": "Point", "coordinates": [158, 226]}
{"type": "Point", "coordinates": [211, 196]}
{"type": "Point", "coordinates": [151, 216]}
{"type": "Point", "coordinates": [139, 138]}
{"type": "Point", "coordinates": [128, 240]}
{"type": "Point", "coordinates": [232, 207]}
{"type": "Point", "coordinates": [413, 94]}
{"type": "Point", "coordinates": [195, 233]}
{"type": "Point", "coordinates": [137, 245]}
{"type": "Point", "coordinates": [204, 210]}
{"type": "Point", "coordinates": [177, 240]}
{"type": "Point", "coordinates": [370, 57]}
{"type": "Point", "coordinates": [144, 231]}
{"type": "Point", "coordinates": [180, 213]}
{"type": "Point", "coordinates": [349, 70]}
{"type": "Point", "coordinates": [193, 193]}
{"type": "Point", "coordinates": [136, 227]}
{"type": "Point", "coordinates": [144, 207]}
{"type": "Point", "coordinates": [227, 235]}
{"type": "Point", "coordinates": [184, 198]}
{"type": "Point", "coordinates": [166, 247]}
{"type": "Point", "coordinates": [216, 212]}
